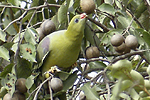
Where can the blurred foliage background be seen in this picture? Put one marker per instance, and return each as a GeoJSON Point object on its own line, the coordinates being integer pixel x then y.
{"type": "Point", "coordinates": [19, 20]}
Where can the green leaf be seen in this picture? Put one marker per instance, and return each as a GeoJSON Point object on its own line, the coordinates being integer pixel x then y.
{"type": "Point", "coordinates": [28, 16]}
{"type": "Point", "coordinates": [124, 21]}
{"type": "Point", "coordinates": [69, 81]}
{"type": "Point", "coordinates": [3, 91]}
{"type": "Point", "coordinates": [97, 65]}
{"type": "Point", "coordinates": [63, 75]}
{"type": "Point", "coordinates": [143, 39]}
{"type": "Point", "coordinates": [31, 36]}
{"type": "Point", "coordinates": [118, 4]}
{"type": "Point", "coordinates": [89, 92]}
{"type": "Point", "coordinates": [14, 2]}
{"type": "Point", "coordinates": [107, 8]}
{"type": "Point", "coordinates": [4, 53]}
{"type": "Point", "coordinates": [2, 35]}
{"type": "Point", "coordinates": [9, 81]}
{"type": "Point", "coordinates": [124, 96]}
{"type": "Point", "coordinates": [140, 9]}
{"type": "Point", "coordinates": [144, 19]}
{"type": "Point", "coordinates": [116, 90]}
{"type": "Point", "coordinates": [62, 14]}
{"type": "Point", "coordinates": [28, 51]}
{"type": "Point", "coordinates": [30, 81]}
{"type": "Point", "coordinates": [13, 28]}
{"type": "Point", "coordinates": [23, 68]}
{"type": "Point", "coordinates": [134, 94]}
{"type": "Point", "coordinates": [90, 36]}
{"type": "Point", "coordinates": [18, 37]}
{"type": "Point", "coordinates": [6, 70]}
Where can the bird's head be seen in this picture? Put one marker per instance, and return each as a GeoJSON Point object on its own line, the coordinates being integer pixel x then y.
{"type": "Point", "coordinates": [77, 23]}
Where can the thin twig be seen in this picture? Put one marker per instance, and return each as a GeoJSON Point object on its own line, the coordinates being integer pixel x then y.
{"type": "Point", "coordinates": [50, 90]}
{"type": "Point", "coordinates": [139, 52]}
{"type": "Point", "coordinates": [39, 87]}
{"type": "Point", "coordinates": [91, 60]}
{"type": "Point", "coordinates": [31, 18]}
{"type": "Point", "coordinates": [127, 29]}
{"type": "Point", "coordinates": [99, 24]}
{"type": "Point", "coordinates": [33, 8]}
{"type": "Point", "coordinates": [107, 86]}
{"type": "Point", "coordinates": [15, 20]}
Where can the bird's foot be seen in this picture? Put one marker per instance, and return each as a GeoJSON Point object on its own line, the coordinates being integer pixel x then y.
{"type": "Point", "coordinates": [51, 71]}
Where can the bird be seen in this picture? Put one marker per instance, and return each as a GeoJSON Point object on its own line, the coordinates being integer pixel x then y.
{"type": "Point", "coordinates": [61, 48]}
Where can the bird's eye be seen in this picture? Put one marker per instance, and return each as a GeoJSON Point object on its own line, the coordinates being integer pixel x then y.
{"type": "Point", "coordinates": [76, 20]}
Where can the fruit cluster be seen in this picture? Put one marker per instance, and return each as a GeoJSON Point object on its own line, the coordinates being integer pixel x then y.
{"type": "Point", "coordinates": [20, 90]}
{"type": "Point", "coordinates": [122, 45]}
{"type": "Point", "coordinates": [46, 28]}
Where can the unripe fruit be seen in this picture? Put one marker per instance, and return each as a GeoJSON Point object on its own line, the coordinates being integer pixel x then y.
{"type": "Point", "coordinates": [56, 84]}
{"type": "Point", "coordinates": [92, 52]}
{"type": "Point", "coordinates": [16, 96]}
{"type": "Point", "coordinates": [20, 85]}
{"type": "Point", "coordinates": [87, 6]}
{"type": "Point", "coordinates": [121, 48]}
{"type": "Point", "coordinates": [41, 35]}
{"type": "Point", "coordinates": [82, 96]}
{"type": "Point", "coordinates": [48, 27]}
{"type": "Point", "coordinates": [117, 40]}
{"type": "Point", "coordinates": [131, 42]}
{"type": "Point", "coordinates": [127, 50]}
{"type": "Point", "coordinates": [7, 97]}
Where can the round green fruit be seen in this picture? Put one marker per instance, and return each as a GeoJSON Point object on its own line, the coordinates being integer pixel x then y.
{"type": "Point", "coordinates": [92, 52]}
{"type": "Point", "coordinates": [18, 95]}
{"type": "Point", "coordinates": [131, 42]}
{"type": "Point", "coordinates": [41, 35]}
{"type": "Point", "coordinates": [121, 48]}
{"type": "Point", "coordinates": [82, 96]}
{"type": "Point", "coordinates": [20, 85]}
{"type": "Point", "coordinates": [87, 6]}
{"type": "Point", "coordinates": [117, 40]}
{"type": "Point", "coordinates": [7, 97]}
{"type": "Point", "coordinates": [56, 84]}
{"type": "Point", "coordinates": [48, 27]}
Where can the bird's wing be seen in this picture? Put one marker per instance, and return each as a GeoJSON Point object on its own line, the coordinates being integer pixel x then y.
{"type": "Point", "coordinates": [44, 48]}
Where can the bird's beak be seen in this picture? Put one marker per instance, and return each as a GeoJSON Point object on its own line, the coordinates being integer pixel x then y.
{"type": "Point", "coordinates": [83, 15]}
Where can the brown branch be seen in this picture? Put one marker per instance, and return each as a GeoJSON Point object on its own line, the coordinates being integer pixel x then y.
{"type": "Point", "coordinates": [15, 20]}
{"type": "Point", "coordinates": [33, 8]}
{"type": "Point", "coordinates": [139, 52]}
{"type": "Point", "coordinates": [148, 6]}
{"type": "Point", "coordinates": [99, 24]}
{"type": "Point", "coordinates": [91, 60]}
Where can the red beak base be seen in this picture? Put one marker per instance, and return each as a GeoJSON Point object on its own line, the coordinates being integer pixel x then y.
{"type": "Point", "coordinates": [83, 15]}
